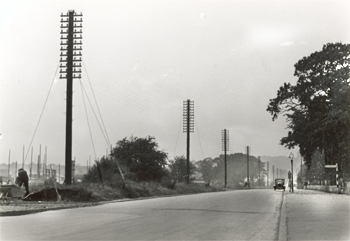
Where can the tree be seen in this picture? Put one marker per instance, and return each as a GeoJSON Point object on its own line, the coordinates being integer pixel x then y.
{"type": "Point", "coordinates": [317, 174]}
{"type": "Point", "coordinates": [237, 170]}
{"type": "Point", "coordinates": [141, 157]}
{"type": "Point", "coordinates": [106, 171]}
{"type": "Point", "coordinates": [178, 168]}
{"type": "Point", "coordinates": [205, 167]}
{"type": "Point", "coordinates": [317, 107]}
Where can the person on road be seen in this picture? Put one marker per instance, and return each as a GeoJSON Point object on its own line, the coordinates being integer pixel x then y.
{"type": "Point", "coordinates": [23, 179]}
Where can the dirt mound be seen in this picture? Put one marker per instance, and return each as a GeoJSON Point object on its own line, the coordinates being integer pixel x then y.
{"type": "Point", "coordinates": [49, 194]}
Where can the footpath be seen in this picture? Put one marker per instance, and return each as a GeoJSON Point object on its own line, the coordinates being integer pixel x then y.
{"type": "Point", "coordinates": [315, 215]}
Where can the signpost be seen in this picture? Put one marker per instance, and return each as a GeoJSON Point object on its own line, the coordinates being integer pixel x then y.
{"type": "Point", "coordinates": [336, 175]}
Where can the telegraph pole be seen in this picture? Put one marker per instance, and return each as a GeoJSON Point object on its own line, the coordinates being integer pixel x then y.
{"type": "Point", "coordinates": [39, 162]}
{"type": "Point", "coordinates": [301, 171]}
{"type": "Point", "coordinates": [248, 166]}
{"type": "Point", "coordinates": [225, 148]}
{"type": "Point", "coordinates": [31, 164]}
{"type": "Point", "coordinates": [259, 169]}
{"type": "Point", "coordinates": [188, 127]}
{"type": "Point", "coordinates": [23, 157]}
{"type": "Point", "coordinates": [70, 32]}
{"type": "Point", "coordinates": [9, 167]}
{"type": "Point", "coordinates": [267, 174]}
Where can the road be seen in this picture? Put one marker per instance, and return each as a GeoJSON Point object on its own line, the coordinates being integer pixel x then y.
{"type": "Point", "coordinates": [231, 215]}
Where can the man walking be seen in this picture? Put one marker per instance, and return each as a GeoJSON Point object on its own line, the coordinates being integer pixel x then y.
{"type": "Point", "coordinates": [23, 179]}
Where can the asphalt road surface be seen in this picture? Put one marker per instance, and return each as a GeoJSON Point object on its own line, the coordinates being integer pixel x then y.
{"type": "Point", "coordinates": [231, 215]}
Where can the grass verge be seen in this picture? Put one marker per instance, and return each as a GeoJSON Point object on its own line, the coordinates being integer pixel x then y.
{"type": "Point", "coordinates": [93, 192]}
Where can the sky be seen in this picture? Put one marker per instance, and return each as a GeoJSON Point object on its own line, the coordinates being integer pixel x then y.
{"type": "Point", "coordinates": [142, 59]}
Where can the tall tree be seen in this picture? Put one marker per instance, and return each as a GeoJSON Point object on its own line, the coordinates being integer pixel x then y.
{"type": "Point", "coordinates": [141, 157]}
{"type": "Point", "coordinates": [205, 167]}
{"type": "Point", "coordinates": [317, 107]}
{"type": "Point", "coordinates": [178, 168]}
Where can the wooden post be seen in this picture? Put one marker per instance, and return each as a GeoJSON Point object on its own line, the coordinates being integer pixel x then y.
{"type": "Point", "coordinates": [248, 166]}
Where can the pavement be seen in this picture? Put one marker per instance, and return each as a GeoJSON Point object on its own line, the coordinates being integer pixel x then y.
{"type": "Point", "coordinates": [315, 215]}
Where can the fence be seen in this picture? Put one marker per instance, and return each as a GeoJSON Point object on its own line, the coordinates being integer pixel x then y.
{"type": "Point", "coordinates": [332, 189]}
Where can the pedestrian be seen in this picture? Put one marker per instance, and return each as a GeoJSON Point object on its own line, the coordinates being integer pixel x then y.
{"type": "Point", "coordinates": [23, 178]}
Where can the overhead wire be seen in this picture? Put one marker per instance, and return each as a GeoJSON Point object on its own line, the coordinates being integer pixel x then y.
{"type": "Point", "coordinates": [131, 96]}
{"type": "Point", "coordinates": [177, 138]}
{"type": "Point", "coordinates": [41, 114]}
{"type": "Point", "coordinates": [87, 118]}
{"type": "Point", "coordinates": [93, 93]}
{"type": "Point", "coordinates": [199, 139]}
{"type": "Point", "coordinates": [98, 122]}
{"type": "Point", "coordinates": [128, 64]}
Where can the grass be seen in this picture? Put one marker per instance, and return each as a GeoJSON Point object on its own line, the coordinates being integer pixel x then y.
{"type": "Point", "coordinates": [94, 192]}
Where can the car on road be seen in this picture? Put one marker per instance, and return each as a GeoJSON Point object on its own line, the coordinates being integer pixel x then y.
{"type": "Point", "coordinates": [279, 184]}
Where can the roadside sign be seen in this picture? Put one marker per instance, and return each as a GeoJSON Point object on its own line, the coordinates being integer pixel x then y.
{"type": "Point", "coordinates": [330, 166]}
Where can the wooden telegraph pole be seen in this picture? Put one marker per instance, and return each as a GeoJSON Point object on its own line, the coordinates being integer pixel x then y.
{"type": "Point", "coordinates": [248, 166]}
{"type": "Point", "coordinates": [225, 148]}
{"type": "Point", "coordinates": [9, 166]}
{"type": "Point", "coordinates": [70, 51]}
{"type": "Point", "coordinates": [267, 174]}
{"type": "Point", "coordinates": [259, 169]}
{"type": "Point", "coordinates": [188, 127]}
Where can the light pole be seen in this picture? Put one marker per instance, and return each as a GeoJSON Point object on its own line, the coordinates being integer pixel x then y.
{"type": "Point", "coordinates": [291, 162]}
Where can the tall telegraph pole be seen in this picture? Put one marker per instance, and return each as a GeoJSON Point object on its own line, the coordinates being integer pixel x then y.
{"type": "Point", "coordinates": [225, 148]}
{"type": "Point", "coordinates": [188, 127]}
{"type": "Point", "coordinates": [259, 169]}
{"type": "Point", "coordinates": [71, 31]}
{"type": "Point", "coordinates": [267, 174]}
{"type": "Point", "coordinates": [248, 166]}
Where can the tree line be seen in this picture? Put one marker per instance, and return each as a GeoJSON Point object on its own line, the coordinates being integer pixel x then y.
{"type": "Point", "coordinates": [140, 160]}
{"type": "Point", "coordinates": [317, 110]}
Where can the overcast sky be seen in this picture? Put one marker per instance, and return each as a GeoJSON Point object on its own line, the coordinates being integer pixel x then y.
{"type": "Point", "coordinates": [144, 58]}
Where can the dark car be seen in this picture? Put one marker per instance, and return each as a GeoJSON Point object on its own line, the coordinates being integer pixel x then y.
{"type": "Point", "coordinates": [279, 184]}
